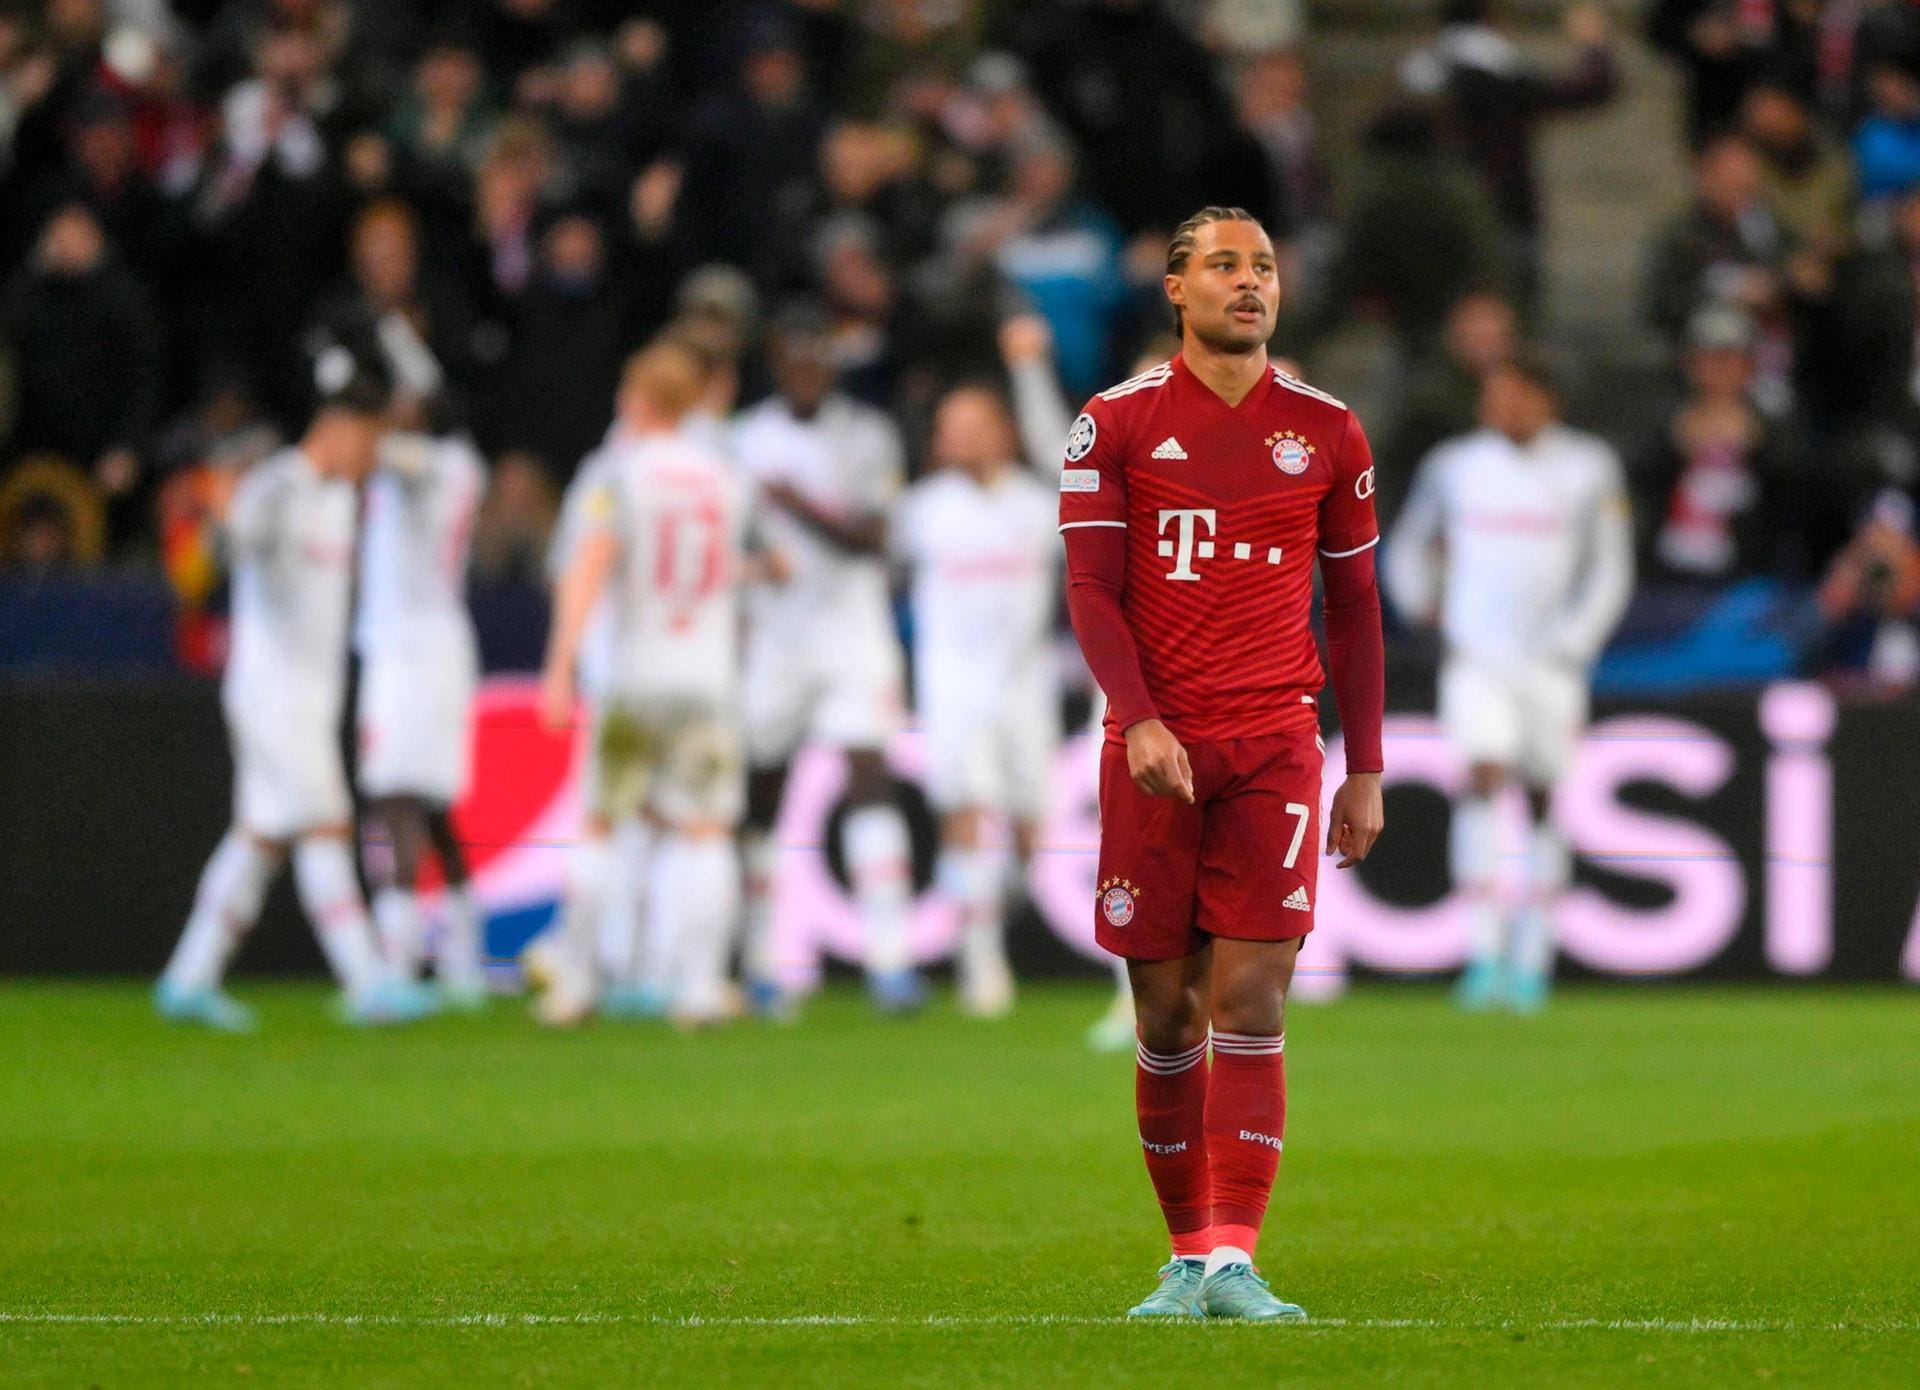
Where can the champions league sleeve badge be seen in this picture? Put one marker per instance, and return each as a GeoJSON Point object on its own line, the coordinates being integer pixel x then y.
{"type": "Point", "coordinates": [1080, 438]}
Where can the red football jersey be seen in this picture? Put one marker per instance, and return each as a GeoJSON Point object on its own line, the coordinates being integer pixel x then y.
{"type": "Point", "coordinates": [1225, 508]}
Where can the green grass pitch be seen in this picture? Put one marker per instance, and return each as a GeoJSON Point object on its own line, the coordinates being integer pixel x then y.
{"type": "Point", "coordinates": [1645, 1187]}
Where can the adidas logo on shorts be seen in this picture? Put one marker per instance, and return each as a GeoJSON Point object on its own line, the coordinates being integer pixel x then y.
{"type": "Point", "coordinates": [1169, 449]}
{"type": "Point", "coordinates": [1297, 900]}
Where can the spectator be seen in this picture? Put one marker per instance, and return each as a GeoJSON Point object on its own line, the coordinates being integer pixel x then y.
{"type": "Point", "coordinates": [607, 121]}
{"type": "Point", "coordinates": [1804, 180]}
{"type": "Point", "coordinates": [1722, 44]}
{"type": "Point", "coordinates": [1860, 342]}
{"type": "Point", "coordinates": [272, 219]}
{"type": "Point", "coordinates": [1491, 99]}
{"type": "Point", "coordinates": [859, 294]}
{"type": "Point", "coordinates": [1440, 399]}
{"type": "Point", "coordinates": [1135, 92]}
{"type": "Point", "coordinates": [1419, 232]}
{"type": "Point", "coordinates": [1886, 147]}
{"type": "Point", "coordinates": [50, 518]}
{"type": "Point", "coordinates": [1060, 252]}
{"type": "Point", "coordinates": [557, 389]}
{"type": "Point", "coordinates": [1728, 245]}
{"type": "Point", "coordinates": [514, 523]}
{"type": "Point", "coordinates": [1870, 597]}
{"type": "Point", "coordinates": [1274, 109]}
{"type": "Point", "coordinates": [749, 159]}
{"type": "Point", "coordinates": [444, 122]}
{"type": "Point", "coordinates": [87, 350]}
{"type": "Point", "coordinates": [1717, 486]}
{"type": "Point", "coordinates": [416, 316]}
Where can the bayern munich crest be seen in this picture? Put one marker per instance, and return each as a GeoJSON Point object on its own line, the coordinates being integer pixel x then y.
{"type": "Point", "coordinates": [1116, 901]}
{"type": "Point", "coordinates": [1291, 453]}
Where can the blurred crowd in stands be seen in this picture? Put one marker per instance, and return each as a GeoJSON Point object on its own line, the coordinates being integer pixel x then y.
{"type": "Point", "coordinates": [524, 190]}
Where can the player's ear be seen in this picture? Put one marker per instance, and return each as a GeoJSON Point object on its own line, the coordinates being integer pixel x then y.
{"type": "Point", "coordinates": [1176, 287]}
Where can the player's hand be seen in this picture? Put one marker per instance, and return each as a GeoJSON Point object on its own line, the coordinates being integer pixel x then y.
{"type": "Point", "coordinates": [1156, 761]}
{"type": "Point", "coordinates": [556, 699]}
{"type": "Point", "coordinates": [1355, 819]}
{"type": "Point", "coordinates": [782, 494]}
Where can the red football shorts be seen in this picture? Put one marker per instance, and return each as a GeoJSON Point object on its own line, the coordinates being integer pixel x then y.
{"type": "Point", "coordinates": [1239, 862]}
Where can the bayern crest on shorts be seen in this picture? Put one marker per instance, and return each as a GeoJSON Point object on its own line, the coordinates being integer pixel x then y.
{"type": "Point", "coordinates": [1291, 453]}
{"type": "Point", "coordinates": [1116, 901]}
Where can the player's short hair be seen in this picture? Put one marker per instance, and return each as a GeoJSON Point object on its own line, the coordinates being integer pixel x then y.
{"type": "Point", "coordinates": [668, 375]}
{"type": "Point", "coordinates": [1538, 370]}
{"type": "Point", "coordinates": [351, 378]}
{"type": "Point", "coordinates": [1185, 237]}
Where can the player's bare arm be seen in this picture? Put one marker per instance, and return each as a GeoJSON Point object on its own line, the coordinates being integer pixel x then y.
{"type": "Point", "coordinates": [861, 534]}
{"type": "Point", "coordinates": [580, 588]}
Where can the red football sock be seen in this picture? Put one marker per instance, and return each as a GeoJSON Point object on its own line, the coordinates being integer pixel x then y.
{"type": "Point", "coordinates": [1170, 1096]}
{"type": "Point", "coordinates": [1246, 1115]}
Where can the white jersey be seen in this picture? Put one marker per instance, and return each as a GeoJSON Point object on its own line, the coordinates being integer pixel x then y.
{"type": "Point", "coordinates": [290, 532]}
{"type": "Point", "coordinates": [678, 514]}
{"type": "Point", "coordinates": [986, 563]}
{"type": "Point", "coordinates": [420, 509]}
{"type": "Point", "coordinates": [1535, 542]}
{"type": "Point", "coordinates": [847, 460]}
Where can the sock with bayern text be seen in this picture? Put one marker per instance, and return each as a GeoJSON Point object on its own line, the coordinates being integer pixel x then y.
{"type": "Point", "coordinates": [1170, 1097]}
{"type": "Point", "coordinates": [1245, 1118]}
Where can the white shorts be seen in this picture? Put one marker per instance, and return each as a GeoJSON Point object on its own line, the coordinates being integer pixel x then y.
{"type": "Point", "coordinates": [679, 761]}
{"type": "Point", "coordinates": [1528, 719]}
{"type": "Point", "coordinates": [288, 776]}
{"type": "Point", "coordinates": [848, 694]}
{"type": "Point", "coordinates": [416, 726]}
{"type": "Point", "coordinates": [992, 754]}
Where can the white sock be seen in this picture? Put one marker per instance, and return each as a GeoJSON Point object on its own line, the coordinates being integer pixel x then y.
{"type": "Point", "coordinates": [759, 855]}
{"type": "Point", "coordinates": [330, 895]}
{"type": "Point", "coordinates": [589, 867]}
{"type": "Point", "coordinates": [623, 925]}
{"type": "Point", "coordinates": [1474, 851]}
{"type": "Point", "coordinates": [696, 884]}
{"type": "Point", "coordinates": [971, 879]}
{"type": "Point", "coordinates": [225, 907]}
{"type": "Point", "coordinates": [396, 916]}
{"type": "Point", "coordinates": [462, 953]}
{"type": "Point", "coordinates": [1224, 1255]}
{"type": "Point", "coordinates": [880, 862]}
{"type": "Point", "coordinates": [1548, 867]}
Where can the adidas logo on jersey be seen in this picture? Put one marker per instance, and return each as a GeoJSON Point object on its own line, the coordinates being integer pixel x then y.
{"type": "Point", "coordinates": [1297, 900]}
{"type": "Point", "coordinates": [1169, 449]}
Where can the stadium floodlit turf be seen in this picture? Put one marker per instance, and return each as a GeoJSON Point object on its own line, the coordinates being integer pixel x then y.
{"type": "Point", "coordinates": [1641, 1187]}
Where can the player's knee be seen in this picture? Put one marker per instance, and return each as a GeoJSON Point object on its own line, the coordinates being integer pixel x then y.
{"type": "Point", "coordinates": [765, 788]}
{"type": "Point", "coordinates": [1170, 1020]}
{"type": "Point", "coordinates": [1486, 779]}
{"type": "Point", "coordinates": [866, 777]}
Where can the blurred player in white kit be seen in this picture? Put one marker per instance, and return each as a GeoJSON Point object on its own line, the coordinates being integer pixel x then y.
{"type": "Point", "coordinates": [823, 656]}
{"type": "Point", "coordinates": [1516, 540]}
{"type": "Point", "coordinates": [660, 539]}
{"type": "Point", "coordinates": [980, 536]}
{"type": "Point", "coordinates": [418, 668]}
{"type": "Point", "coordinates": [290, 529]}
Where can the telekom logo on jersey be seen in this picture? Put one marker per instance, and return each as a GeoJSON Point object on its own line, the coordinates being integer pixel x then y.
{"type": "Point", "coordinates": [1188, 543]}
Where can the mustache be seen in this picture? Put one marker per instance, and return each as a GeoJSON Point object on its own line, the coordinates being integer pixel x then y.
{"type": "Point", "coordinates": [1246, 302]}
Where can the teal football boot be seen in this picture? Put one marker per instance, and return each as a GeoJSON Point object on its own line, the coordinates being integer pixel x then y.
{"type": "Point", "coordinates": [210, 1008]}
{"type": "Point", "coordinates": [1176, 1296]}
{"type": "Point", "coordinates": [1238, 1292]}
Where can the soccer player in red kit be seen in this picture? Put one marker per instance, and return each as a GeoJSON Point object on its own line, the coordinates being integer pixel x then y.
{"type": "Point", "coordinates": [1195, 500]}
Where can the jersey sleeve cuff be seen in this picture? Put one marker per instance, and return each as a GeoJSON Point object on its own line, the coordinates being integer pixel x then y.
{"type": "Point", "coordinates": [1072, 525]}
